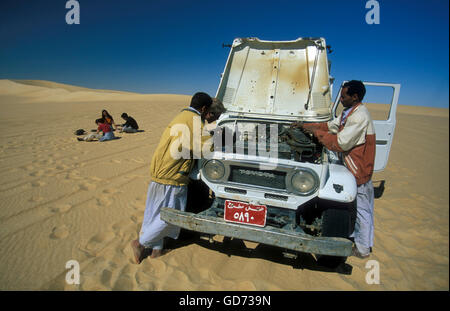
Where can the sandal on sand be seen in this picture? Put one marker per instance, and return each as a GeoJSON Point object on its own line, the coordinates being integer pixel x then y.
{"type": "Point", "coordinates": [138, 251]}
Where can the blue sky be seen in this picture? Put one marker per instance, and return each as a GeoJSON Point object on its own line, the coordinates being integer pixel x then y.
{"type": "Point", "coordinates": [175, 47]}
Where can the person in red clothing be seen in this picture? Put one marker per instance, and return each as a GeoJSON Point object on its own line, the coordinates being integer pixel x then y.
{"type": "Point", "coordinates": [104, 127]}
{"type": "Point", "coordinates": [108, 119]}
{"type": "Point", "coordinates": [352, 135]}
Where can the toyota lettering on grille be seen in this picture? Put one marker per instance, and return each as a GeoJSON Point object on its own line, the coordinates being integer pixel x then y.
{"type": "Point", "coordinates": [257, 173]}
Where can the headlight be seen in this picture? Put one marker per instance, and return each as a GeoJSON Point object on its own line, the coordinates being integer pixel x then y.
{"type": "Point", "coordinates": [214, 170]}
{"type": "Point", "coordinates": [304, 182]}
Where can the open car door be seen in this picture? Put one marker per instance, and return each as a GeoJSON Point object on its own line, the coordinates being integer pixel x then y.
{"type": "Point", "coordinates": [381, 99]}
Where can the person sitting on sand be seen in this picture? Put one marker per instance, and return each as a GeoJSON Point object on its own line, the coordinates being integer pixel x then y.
{"type": "Point", "coordinates": [102, 126]}
{"type": "Point", "coordinates": [130, 125]}
{"type": "Point", "coordinates": [109, 119]}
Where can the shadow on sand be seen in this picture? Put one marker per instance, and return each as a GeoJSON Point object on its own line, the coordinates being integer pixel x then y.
{"type": "Point", "coordinates": [378, 188]}
{"type": "Point", "coordinates": [237, 247]}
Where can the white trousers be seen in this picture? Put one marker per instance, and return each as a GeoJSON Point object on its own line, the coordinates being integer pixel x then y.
{"type": "Point", "coordinates": [154, 230]}
{"type": "Point", "coordinates": [92, 136]}
{"type": "Point", "coordinates": [364, 226]}
{"type": "Point", "coordinates": [129, 129]}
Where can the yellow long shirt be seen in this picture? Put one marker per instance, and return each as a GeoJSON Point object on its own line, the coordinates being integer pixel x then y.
{"type": "Point", "coordinates": [179, 145]}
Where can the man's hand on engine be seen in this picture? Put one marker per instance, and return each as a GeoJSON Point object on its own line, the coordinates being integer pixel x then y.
{"type": "Point", "coordinates": [298, 124]}
{"type": "Point", "coordinates": [306, 127]}
{"type": "Point", "coordinates": [310, 127]}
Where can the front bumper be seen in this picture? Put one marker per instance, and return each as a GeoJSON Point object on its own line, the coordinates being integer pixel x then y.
{"type": "Point", "coordinates": [286, 237]}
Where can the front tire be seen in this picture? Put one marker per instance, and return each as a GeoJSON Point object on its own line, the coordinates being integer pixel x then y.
{"type": "Point", "coordinates": [336, 222]}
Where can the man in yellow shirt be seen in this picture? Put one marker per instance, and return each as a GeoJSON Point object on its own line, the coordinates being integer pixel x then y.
{"type": "Point", "coordinates": [171, 164]}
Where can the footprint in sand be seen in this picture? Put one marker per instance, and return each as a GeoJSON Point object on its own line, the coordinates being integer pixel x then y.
{"type": "Point", "coordinates": [50, 170]}
{"type": "Point", "coordinates": [61, 208]}
{"type": "Point", "coordinates": [87, 186]}
{"type": "Point", "coordinates": [38, 183]}
{"type": "Point", "coordinates": [37, 159]}
{"type": "Point", "coordinates": [47, 162]}
{"type": "Point", "coordinates": [105, 278]}
{"type": "Point", "coordinates": [59, 232]}
{"type": "Point", "coordinates": [98, 241]}
{"type": "Point", "coordinates": [145, 281]}
{"type": "Point", "coordinates": [136, 206]}
{"type": "Point", "coordinates": [124, 282]}
{"type": "Point", "coordinates": [38, 173]}
{"type": "Point", "coordinates": [62, 167]}
{"type": "Point", "coordinates": [28, 167]}
{"type": "Point", "coordinates": [90, 283]}
{"type": "Point", "coordinates": [125, 279]}
{"type": "Point", "coordinates": [103, 201]}
{"type": "Point", "coordinates": [122, 227]}
{"type": "Point", "coordinates": [110, 191]}
{"type": "Point", "coordinates": [73, 175]}
{"type": "Point", "coordinates": [36, 198]}
{"type": "Point", "coordinates": [141, 198]}
{"type": "Point", "coordinates": [58, 284]}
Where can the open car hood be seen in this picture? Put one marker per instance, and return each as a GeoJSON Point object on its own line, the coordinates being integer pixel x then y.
{"type": "Point", "coordinates": [272, 79]}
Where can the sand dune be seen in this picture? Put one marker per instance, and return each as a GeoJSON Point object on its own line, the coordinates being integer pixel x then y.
{"type": "Point", "coordinates": [68, 87]}
{"type": "Point", "coordinates": [62, 200]}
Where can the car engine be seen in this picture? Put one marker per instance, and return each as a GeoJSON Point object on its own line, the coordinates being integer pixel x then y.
{"type": "Point", "coordinates": [259, 139]}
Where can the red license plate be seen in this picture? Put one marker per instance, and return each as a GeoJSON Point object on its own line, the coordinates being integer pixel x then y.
{"type": "Point", "coordinates": [245, 213]}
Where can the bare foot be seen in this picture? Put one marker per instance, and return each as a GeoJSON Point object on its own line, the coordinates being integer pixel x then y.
{"type": "Point", "coordinates": [159, 252]}
{"type": "Point", "coordinates": [138, 251]}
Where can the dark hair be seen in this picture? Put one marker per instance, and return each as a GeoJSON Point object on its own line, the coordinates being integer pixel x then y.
{"type": "Point", "coordinates": [200, 100]}
{"type": "Point", "coordinates": [124, 115]}
{"type": "Point", "coordinates": [216, 108]}
{"type": "Point", "coordinates": [355, 87]}
{"type": "Point", "coordinates": [101, 120]}
{"type": "Point", "coordinates": [107, 115]}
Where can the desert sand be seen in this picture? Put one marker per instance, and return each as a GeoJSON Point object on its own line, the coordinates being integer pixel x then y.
{"type": "Point", "coordinates": [63, 200]}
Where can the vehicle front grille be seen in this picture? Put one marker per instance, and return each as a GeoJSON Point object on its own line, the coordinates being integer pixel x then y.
{"type": "Point", "coordinates": [275, 197]}
{"type": "Point", "coordinates": [234, 190]}
{"type": "Point", "coordinates": [251, 176]}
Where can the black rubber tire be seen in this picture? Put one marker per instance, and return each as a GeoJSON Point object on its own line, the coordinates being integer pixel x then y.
{"type": "Point", "coordinates": [336, 222]}
{"type": "Point", "coordinates": [198, 198]}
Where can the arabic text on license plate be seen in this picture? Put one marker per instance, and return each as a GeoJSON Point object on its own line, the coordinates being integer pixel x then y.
{"type": "Point", "coordinates": [245, 213]}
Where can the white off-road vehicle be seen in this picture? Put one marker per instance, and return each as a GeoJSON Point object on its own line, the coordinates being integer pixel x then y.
{"type": "Point", "coordinates": [274, 184]}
